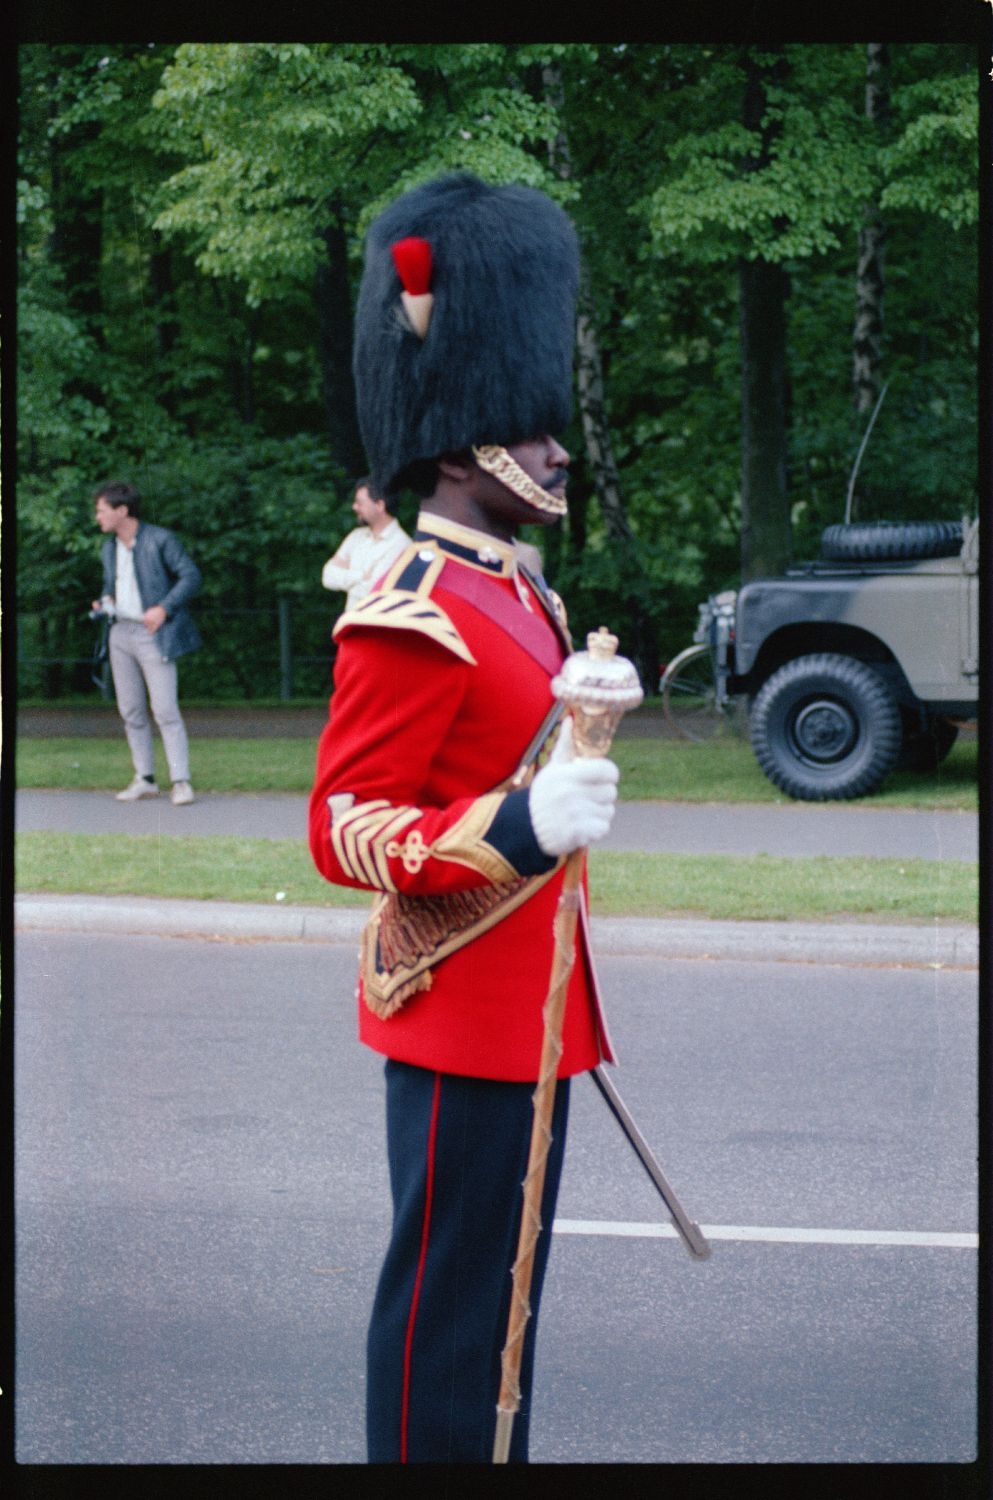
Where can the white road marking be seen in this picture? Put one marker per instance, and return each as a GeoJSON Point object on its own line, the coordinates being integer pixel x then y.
{"type": "Point", "coordinates": [934, 1239]}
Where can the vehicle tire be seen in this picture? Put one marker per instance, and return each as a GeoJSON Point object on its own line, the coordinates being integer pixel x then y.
{"type": "Point", "coordinates": [883, 541]}
{"type": "Point", "coordinates": [825, 727]}
{"type": "Point", "coordinates": [689, 696]}
{"type": "Point", "coordinates": [925, 749]}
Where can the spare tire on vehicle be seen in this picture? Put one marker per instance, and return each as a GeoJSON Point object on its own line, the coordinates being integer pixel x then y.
{"type": "Point", "coordinates": [888, 541]}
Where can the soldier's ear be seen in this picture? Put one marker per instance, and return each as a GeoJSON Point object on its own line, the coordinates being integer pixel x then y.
{"type": "Point", "coordinates": [457, 466]}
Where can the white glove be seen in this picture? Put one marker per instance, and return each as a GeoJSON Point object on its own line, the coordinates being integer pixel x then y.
{"type": "Point", "coordinates": [571, 801]}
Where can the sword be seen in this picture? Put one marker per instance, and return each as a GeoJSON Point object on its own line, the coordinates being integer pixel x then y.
{"type": "Point", "coordinates": [690, 1232]}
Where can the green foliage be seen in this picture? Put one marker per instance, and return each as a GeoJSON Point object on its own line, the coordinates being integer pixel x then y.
{"type": "Point", "coordinates": [718, 203]}
{"type": "Point", "coordinates": [276, 134]}
{"type": "Point", "coordinates": [173, 207]}
{"type": "Point", "coordinates": [56, 353]}
{"type": "Point", "coordinates": [804, 208]}
{"type": "Point", "coordinates": [286, 139]}
{"type": "Point", "coordinates": [931, 166]}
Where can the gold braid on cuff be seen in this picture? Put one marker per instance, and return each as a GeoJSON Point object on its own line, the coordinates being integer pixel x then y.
{"type": "Point", "coordinates": [498, 462]}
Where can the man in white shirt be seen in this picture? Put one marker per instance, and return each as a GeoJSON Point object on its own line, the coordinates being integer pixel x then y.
{"type": "Point", "coordinates": [367, 552]}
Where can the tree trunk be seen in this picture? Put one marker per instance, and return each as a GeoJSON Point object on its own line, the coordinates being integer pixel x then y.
{"type": "Point", "coordinates": [870, 280]}
{"type": "Point", "coordinates": [166, 322]}
{"type": "Point", "coordinates": [643, 635]}
{"type": "Point", "coordinates": [765, 518]}
{"type": "Point", "coordinates": [75, 242]}
{"type": "Point", "coordinates": [245, 365]}
{"type": "Point", "coordinates": [596, 429]}
{"type": "Point", "coordinates": [334, 323]}
{"type": "Point", "coordinates": [763, 290]}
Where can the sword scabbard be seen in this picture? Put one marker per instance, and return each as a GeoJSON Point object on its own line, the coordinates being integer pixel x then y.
{"type": "Point", "coordinates": [689, 1232]}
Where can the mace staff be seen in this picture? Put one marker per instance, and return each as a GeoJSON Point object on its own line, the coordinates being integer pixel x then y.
{"type": "Point", "coordinates": [597, 687]}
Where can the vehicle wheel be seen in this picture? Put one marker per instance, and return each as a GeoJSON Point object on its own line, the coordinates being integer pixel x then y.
{"type": "Point", "coordinates": [925, 749]}
{"type": "Point", "coordinates": [882, 541]}
{"type": "Point", "coordinates": [825, 727]}
{"type": "Point", "coordinates": [689, 695]}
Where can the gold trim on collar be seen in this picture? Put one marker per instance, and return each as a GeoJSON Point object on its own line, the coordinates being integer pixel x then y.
{"type": "Point", "coordinates": [491, 555]}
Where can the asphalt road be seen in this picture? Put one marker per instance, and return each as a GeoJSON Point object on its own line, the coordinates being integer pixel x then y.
{"type": "Point", "coordinates": [666, 827]}
{"type": "Point", "coordinates": [202, 1206]}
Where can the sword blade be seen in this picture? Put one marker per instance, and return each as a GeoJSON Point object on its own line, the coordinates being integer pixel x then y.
{"type": "Point", "coordinates": [689, 1232]}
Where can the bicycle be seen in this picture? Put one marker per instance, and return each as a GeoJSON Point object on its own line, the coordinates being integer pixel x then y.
{"type": "Point", "coordinates": [695, 700]}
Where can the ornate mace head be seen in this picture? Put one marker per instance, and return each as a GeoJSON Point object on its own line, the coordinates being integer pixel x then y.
{"type": "Point", "coordinates": [597, 687]}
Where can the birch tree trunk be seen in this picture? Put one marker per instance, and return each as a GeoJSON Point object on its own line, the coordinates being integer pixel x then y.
{"type": "Point", "coordinates": [763, 292]}
{"type": "Point", "coordinates": [765, 518]}
{"type": "Point", "coordinates": [870, 278]}
{"type": "Point", "coordinates": [596, 432]}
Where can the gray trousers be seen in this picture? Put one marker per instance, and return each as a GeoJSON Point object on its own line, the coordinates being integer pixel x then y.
{"type": "Point", "coordinates": [136, 664]}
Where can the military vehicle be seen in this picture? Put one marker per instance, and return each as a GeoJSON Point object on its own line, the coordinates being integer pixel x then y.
{"type": "Point", "coordinates": [859, 662]}
{"type": "Point", "coordinates": [862, 661]}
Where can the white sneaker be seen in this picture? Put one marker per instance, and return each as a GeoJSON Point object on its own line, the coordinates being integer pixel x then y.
{"type": "Point", "coordinates": [138, 788]}
{"type": "Point", "coordinates": [181, 793]}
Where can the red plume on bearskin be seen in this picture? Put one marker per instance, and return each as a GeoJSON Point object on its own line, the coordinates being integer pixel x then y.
{"type": "Point", "coordinates": [412, 258]}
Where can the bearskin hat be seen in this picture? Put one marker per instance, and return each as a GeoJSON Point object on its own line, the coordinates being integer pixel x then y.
{"type": "Point", "coordinates": [494, 365]}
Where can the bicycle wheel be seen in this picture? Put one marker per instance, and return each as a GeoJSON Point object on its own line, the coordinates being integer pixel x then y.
{"type": "Point", "coordinates": [689, 695]}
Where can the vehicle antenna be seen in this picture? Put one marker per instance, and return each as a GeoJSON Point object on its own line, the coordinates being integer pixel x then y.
{"type": "Point", "coordinates": [858, 456]}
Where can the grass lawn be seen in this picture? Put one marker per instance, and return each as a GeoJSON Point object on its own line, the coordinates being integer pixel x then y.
{"type": "Point", "coordinates": [621, 884]}
{"type": "Point", "coordinates": [663, 770]}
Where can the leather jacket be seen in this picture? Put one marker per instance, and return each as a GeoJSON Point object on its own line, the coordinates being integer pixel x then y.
{"type": "Point", "coordinates": [166, 575]}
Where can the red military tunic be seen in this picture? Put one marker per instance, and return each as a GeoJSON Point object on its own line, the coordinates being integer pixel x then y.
{"type": "Point", "coordinates": [442, 681]}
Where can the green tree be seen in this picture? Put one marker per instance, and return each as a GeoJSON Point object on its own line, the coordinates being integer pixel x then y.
{"type": "Point", "coordinates": [761, 191]}
{"type": "Point", "coordinates": [801, 208]}
{"type": "Point", "coordinates": [149, 371]}
{"type": "Point", "coordinates": [189, 246]}
{"type": "Point", "coordinates": [291, 148]}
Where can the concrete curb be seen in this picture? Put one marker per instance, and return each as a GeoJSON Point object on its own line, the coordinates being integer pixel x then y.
{"type": "Point", "coordinates": [797, 942]}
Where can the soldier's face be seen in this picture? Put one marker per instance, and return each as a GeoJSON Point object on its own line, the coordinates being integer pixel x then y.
{"type": "Point", "coordinates": [543, 460]}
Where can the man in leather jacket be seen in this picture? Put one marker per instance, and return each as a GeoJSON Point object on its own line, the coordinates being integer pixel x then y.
{"type": "Point", "coordinates": [148, 579]}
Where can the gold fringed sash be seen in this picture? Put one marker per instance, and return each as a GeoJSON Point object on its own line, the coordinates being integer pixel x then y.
{"type": "Point", "coordinates": [407, 936]}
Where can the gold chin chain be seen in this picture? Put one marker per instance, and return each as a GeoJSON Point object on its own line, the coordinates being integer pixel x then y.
{"type": "Point", "coordinates": [498, 462]}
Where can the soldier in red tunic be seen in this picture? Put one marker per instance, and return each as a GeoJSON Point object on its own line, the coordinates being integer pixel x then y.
{"type": "Point", "coordinates": [436, 790]}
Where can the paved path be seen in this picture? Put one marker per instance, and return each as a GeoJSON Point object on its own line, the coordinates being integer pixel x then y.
{"type": "Point", "coordinates": [659, 827]}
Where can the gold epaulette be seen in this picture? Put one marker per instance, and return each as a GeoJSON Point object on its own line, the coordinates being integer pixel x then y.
{"type": "Point", "coordinates": [402, 602]}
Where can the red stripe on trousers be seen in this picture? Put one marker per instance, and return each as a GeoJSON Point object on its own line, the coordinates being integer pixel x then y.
{"type": "Point", "coordinates": [409, 1343]}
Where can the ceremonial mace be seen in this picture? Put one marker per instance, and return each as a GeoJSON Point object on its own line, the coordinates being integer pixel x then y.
{"type": "Point", "coordinates": [597, 687]}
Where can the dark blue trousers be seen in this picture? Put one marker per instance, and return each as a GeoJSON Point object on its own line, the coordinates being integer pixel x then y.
{"type": "Point", "coordinates": [458, 1150]}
